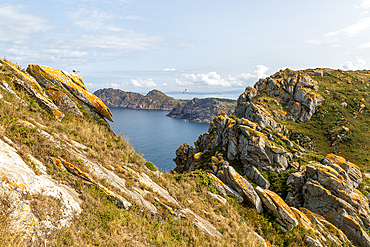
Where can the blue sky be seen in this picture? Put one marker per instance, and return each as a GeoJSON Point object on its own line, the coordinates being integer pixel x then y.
{"type": "Point", "coordinates": [209, 47]}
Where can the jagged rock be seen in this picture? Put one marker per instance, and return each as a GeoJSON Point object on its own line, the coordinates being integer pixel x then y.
{"type": "Point", "coordinates": [256, 113]}
{"type": "Point", "coordinates": [30, 85]}
{"type": "Point", "coordinates": [312, 242]}
{"type": "Point", "coordinates": [353, 171]}
{"type": "Point", "coordinates": [302, 218]}
{"type": "Point", "coordinates": [43, 101]}
{"type": "Point", "coordinates": [278, 208]}
{"type": "Point", "coordinates": [242, 186]}
{"type": "Point", "coordinates": [243, 143]}
{"type": "Point", "coordinates": [295, 88]}
{"type": "Point", "coordinates": [49, 77]}
{"type": "Point", "coordinates": [224, 189]}
{"type": "Point", "coordinates": [184, 158]}
{"type": "Point", "coordinates": [63, 102]}
{"type": "Point", "coordinates": [201, 110]}
{"type": "Point", "coordinates": [326, 228]}
{"type": "Point", "coordinates": [255, 176]}
{"type": "Point", "coordinates": [335, 210]}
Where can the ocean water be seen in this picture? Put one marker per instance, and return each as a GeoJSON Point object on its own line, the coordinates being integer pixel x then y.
{"type": "Point", "coordinates": [155, 135]}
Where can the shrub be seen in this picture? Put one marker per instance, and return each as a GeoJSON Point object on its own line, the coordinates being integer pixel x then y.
{"type": "Point", "coordinates": [151, 166]}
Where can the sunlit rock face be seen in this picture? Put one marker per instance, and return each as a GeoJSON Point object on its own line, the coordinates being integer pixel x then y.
{"type": "Point", "coordinates": [52, 79]}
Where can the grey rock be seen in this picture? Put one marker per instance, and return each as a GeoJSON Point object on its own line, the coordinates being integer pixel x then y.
{"type": "Point", "coordinates": [243, 187]}
{"type": "Point", "coordinates": [278, 208]}
{"type": "Point", "coordinates": [255, 176]}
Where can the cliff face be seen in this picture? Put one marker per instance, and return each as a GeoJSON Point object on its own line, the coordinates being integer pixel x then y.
{"type": "Point", "coordinates": [154, 100]}
{"type": "Point", "coordinates": [279, 141]}
{"type": "Point", "coordinates": [201, 110]}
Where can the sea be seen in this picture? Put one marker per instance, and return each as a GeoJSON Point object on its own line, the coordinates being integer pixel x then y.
{"type": "Point", "coordinates": [154, 135]}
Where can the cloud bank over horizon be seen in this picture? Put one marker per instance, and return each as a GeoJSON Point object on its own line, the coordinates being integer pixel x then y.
{"type": "Point", "coordinates": [137, 46]}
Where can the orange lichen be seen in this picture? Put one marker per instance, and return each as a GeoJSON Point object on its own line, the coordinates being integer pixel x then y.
{"type": "Point", "coordinates": [74, 84]}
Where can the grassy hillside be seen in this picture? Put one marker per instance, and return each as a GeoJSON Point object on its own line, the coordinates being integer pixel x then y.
{"type": "Point", "coordinates": [103, 223]}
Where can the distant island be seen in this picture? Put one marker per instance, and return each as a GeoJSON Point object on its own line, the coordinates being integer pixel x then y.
{"type": "Point", "coordinates": [195, 110]}
{"type": "Point", "coordinates": [153, 100]}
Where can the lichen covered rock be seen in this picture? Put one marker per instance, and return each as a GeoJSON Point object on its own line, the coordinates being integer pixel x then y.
{"type": "Point", "coordinates": [278, 208]}
{"type": "Point", "coordinates": [294, 88]}
{"type": "Point", "coordinates": [49, 77]}
{"type": "Point", "coordinates": [30, 85]}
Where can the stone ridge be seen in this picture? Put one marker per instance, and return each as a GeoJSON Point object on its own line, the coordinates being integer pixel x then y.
{"type": "Point", "coordinates": [201, 110]}
{"type": "Point", "coordinates": [294, 89]}
{"type": "Point", "coordinates": [153, 100]}
{"type": "Point", "coordinates": [256, 145]}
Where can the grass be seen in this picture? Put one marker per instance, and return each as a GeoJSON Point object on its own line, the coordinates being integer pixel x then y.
{"type": "Point", "coordinates": [102, 223]}
{"type": "Point", "coordinates": [8, 237]}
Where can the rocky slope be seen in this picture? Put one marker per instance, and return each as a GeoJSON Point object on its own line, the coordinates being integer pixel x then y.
{"type": "Point", "coordinates": [255, 179]}
{"type": "Point", "coordinates": [153, 100]}
{"type": "Point", "coordinates": [267, 159]}
{"type": "Point", "coordinates": [202, 110]}
{"type": "Point", "coordinates": [66, 179]}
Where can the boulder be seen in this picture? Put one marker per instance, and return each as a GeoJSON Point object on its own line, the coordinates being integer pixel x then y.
{"type": "Point", "coordinates": [223, 189]}
{"type": "Point", "coordinates": [243, 187]}
{"type": "Point", "coordinates": [255, 176]}
{"type": "Point", "coordinates": [276, 206]}
{"type": "Point", "coordinates": [49, 77]}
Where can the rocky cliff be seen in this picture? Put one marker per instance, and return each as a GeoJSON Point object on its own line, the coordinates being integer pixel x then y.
{"type": "Point", "coordinates": [153, 100]}
{"type": "Point", "coordinates": [66, 179]}
{"type": "Point", "coordinates": [202, 110]}
{"type": "Point", "coordinates": [283, 154]}
{"type": "Point", "coordinates": [272, 175]}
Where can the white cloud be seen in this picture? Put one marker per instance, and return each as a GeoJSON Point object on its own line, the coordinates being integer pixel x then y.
{"type": "Point", "coordinates": [212, 79]}
{"type": "Point", "coordinates": [365, 4]}
{"type": "Point", "coordinates": [260, 71]}
{"type": "Point", "coordinates": [325, 40]}
{"type": "Point", "coordinates": [352, 30]}
{"type": "Point", "coordinates": [209, 79]}
{"type": "Point", "coordinates": [134, 17]}
{"type": "Point", "coordinates": [116, 85]}
{"type": "Point", "coordinates": [365, 46]}
{"type": "Point", "coordinates": [360, 63]}
{"type": "Point", "coordinates": [143, 83]}
{"type": "Point", "coordinates": [93, 19]}
{"type": "Point", "coordinates": [120, 41]}
{"type": "Point", "coordinates": [16, 25]}
{"type": "Point", "coordinates": [168, 69]}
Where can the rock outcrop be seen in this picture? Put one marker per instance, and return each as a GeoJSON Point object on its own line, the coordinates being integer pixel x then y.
{"type": "Point", "coordinates": [329, 190]}
{"type": "Point", "coordinates": [278, 208]}
{"type": "Point", "coordinates": [241, 141]}
{"type": "Point", "coordinates": [52, 79]}
{"type": "Point", "coordinates": [202, 110]}
{"type": "Point", "coordinates": [295, 89]}
{"type": "Point", "coordinates": [321, 193]}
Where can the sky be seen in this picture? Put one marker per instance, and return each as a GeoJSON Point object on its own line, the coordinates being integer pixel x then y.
{"type": "Point", "coordinates": [212, 48]}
